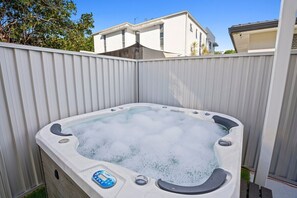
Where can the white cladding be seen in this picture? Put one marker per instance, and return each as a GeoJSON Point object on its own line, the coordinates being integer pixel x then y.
{"type": "Point", "coordinates": [129, 38]}
{"type": "Point", "coordinates": [180, 32]}
{"type": "Point", "coordinates": [191, 37]}
{"type": "Point", "coordinates": [174, 34]}
{"type": "Point", "coordinates": [113, 41]}
{"type": "Point", "coordinates": [150, 37]}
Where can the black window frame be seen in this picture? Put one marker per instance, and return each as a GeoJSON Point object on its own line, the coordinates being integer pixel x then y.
{"type": "Point", "coordinates": [137, 36]}
{"type": "Point", "coordinates": [162, 36]}
{"type": "Point", "coordinates": [104, 38]}
{"type": "Point", "coordinates": [200, 43]}
{"type": "Point", "coordinates": [123, 38]}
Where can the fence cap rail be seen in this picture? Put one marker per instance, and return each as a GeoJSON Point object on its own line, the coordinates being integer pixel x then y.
{"type": "Point", "coordinates": [52, 50]}
{"type": "Point", "coordinates": [237, 55]}
{"type": "Point", "coordinates": [92, 54]}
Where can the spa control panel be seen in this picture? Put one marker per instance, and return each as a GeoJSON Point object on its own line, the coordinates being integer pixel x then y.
{"type": "Point", "coordinates": [104, 179]}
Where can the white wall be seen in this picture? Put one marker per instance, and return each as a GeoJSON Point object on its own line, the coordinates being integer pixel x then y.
{"type": "Point", "coordinates": [174, 34]}
{"type": "Point", "coordinates": [257, 41]}
{"type": "Point", "coordinates": [178, 38]}
{"type": "Point", "coordinates": [191, 36]}
{"type": "Point", "coordinates": [204, 37]}
{"type": "Point", "coordinates": [150, 37]}
{"type": "Point", "coordinates": [129, 38]}
{"type": "Point", "coordinates": [263, 40]}
{"type": "Point", "coordinates": [114, 41]}
{"type": "Point", "coordinates": [98, 43]}
{"type": "Point", "coordinates": [174, 37]}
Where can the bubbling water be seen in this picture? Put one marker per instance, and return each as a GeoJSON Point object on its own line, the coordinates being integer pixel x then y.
{"type": "Point", "coordinates": [157, 143]}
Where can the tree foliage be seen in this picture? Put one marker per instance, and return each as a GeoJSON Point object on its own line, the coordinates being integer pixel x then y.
{"type": "Point", "coordinates": [231, 51]}
{"type": "Point", "coordinates": [204, 50]}
{"type": "Point", "coordinates": [45, 23]}
{"type": "Point", "coordinates": [194, 48]}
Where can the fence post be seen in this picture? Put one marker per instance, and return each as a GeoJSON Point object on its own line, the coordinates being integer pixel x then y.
{"type": "Point", "coordinates": [282, 52]}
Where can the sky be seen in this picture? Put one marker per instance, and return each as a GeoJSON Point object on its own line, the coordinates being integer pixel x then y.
{"type": "Point", "coordinates": [217, 15]}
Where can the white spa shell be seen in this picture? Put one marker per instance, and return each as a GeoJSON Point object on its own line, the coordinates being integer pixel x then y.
{"type": "Point", "coordinates": [80, 169]}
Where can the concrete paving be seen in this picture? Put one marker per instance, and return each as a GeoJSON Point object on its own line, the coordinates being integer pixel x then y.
{"type": "Point", "coordinates": [279, 189]}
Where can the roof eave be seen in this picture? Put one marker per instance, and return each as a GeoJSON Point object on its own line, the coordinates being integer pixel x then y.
{"type": "Point", "coordinates": [250, 27]}
{"type": "Point", "coordinates": [200, 26]}
{"type": "Point", "coordinates": [151, 21]}
{"type": "Point", "coordinates": [122, 25]}
{"type": "Point", "coordinates": [254, 26]}
{"type": "Point", "coordinates": [232, 39]}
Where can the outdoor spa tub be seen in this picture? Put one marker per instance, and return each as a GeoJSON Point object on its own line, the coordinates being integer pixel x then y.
{"type": "Point", "coordinates": [142, 150]}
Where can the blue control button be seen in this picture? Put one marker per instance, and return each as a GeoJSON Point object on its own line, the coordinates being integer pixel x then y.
{"type": "Point", "coordinates": [104, 179]}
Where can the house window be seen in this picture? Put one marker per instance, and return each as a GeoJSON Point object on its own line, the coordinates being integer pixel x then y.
{"type": "Point", "coordinates": [137, 36]}
{"type": "Point", "coordinates": [162, 37]}
{"type": "Point", "coordinates": [209, 45]}
{"type": "Point", "coordinates": [200, 43]}
{"type": "Point", "coordinates": [294, 43]}
{"type": "Point", "coordinates": [123, 38]}
{"type": "Point", "coordinates": [196, 34]}
{"type": "Point", "coordinates": [104, 37]}
{"type": "Point", "coordinates": [191, 27]}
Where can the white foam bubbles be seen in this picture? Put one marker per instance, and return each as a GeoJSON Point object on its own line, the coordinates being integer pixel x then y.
{"type": "Point", "coordinates": [157, 143]}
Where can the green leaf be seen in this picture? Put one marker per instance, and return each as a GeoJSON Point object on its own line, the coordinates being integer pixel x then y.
{"type": "Point", "coordinates": [45, 23]}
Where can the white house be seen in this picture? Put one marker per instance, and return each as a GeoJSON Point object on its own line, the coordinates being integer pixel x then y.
{"type": "Point", "coordinates": [174, 34]}
{"type": "Point", "coordinates": [257, 37]}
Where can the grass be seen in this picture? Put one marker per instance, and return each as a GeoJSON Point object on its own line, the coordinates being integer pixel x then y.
{"type": "Point", "coordinates": [38, 193]}
{"type": "Point", "coordinates": [245, 174]}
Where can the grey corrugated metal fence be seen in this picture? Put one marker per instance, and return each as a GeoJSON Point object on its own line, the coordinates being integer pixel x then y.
{"type": "Point", "coordinates": [236, 85]}
{"type": "Point", "coordinates": [38, 86]}
{"type": "Point", "coordinates": [284, 161]}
